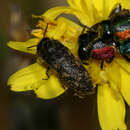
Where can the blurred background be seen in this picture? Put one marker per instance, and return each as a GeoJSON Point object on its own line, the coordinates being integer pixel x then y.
{"type": "Point", "coordinates": [23, 111]}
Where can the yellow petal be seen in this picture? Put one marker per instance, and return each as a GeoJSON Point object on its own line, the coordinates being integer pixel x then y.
{"type": "Point", "coordinates": [105, 7]}
{"type": "Point", "coordinates": [59, 30]}
{"type": "Point", "coordinates": [94, 11]}
{"type": "Point", "coordinates": [53, 13]}
{"type": "Point", "coordinates": [125, 85]}
{"type": "Point", "coordinates": [125, 4]}
{"type": "Point", "coordinates": [81, 12]}
{"type": "Point", "coordinates": [94, 70]}
{"type": "Point", "coordinates": [64, 30]}
{"type": "Point", "coordinates": [78, 11]}
{"type": "Point", "coordinates": [67, 32]}
{"type": "Point", "coordinates": [23, 46]}
{"type": "Point", "coordinates": [113, 75]}
{"type": "Point", "coordinates": [76, 4]}
{"type": "Point", "coordinates": [24, 79]}
{"type": "Point", "coordinates": [67, 29]}
{"type": "Point", "coordinates": [37, 33]}
{"type": "Point", "coordinates": [51, 89]}
{"type": "Point", "coordinates": [123, 63]}
{"type": "Point", "coordinates": [32, 78]}
{"type": "Point", "coordinates": [111, 110]}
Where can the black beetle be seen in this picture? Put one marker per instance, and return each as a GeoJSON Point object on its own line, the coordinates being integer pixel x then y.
{"type": "Point", "coordinates": [70, 70]}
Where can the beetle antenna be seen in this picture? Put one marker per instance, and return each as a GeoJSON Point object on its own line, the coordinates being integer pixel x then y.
{"type": "Point", "coordinates": [118, 8]}
{"type": "Point", "coordinates": [44, 34]}
{"type": "Point", "coordinates": [115, 11]}
{"type": "Point", "coordinates": [83, 30]}
{"type": "Point", "coordinates": [89, 29]}
{"type": "Point", "coordinates": [84, 27]}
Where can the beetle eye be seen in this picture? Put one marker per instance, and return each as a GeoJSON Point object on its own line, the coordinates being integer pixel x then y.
{"type": "Point", "coordinates": [108, 32]}
{"type": "Point", "coordinates": [113, 44]}
{"type": "Point", "coordinates": [84, 49]}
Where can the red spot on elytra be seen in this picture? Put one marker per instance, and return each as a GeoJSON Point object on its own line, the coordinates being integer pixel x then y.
{"type": "Point", "coordinates": [103, 53]}
{"type": "Point", "coordinates": [123, 35]}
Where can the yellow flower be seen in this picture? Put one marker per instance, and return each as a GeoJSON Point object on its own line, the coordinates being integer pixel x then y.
{"type": "Point", "coordinates": [31, 78]}
{"type": "Point", "coordinates": [113, 80]}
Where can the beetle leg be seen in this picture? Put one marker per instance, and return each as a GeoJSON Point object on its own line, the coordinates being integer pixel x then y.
{"type": "Point", "coordinates": [64, 87]}
{"type": "Point", "coordinates": [85, 63]}
{"type": "Point", "coordinates": [101, 66]}
{"type": "Point", "coordinates": [97, 85]}
{"type": "Point", "coordinates": [84, 27]}
{"type": "Point", "coordinates": [47, 73]}
{"type": "Point", "coordinates": [110, 59]}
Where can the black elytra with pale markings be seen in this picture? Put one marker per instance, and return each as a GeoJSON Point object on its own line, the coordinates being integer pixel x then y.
{"type": "Point", "coordinates": [70, 71]}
